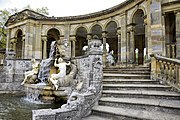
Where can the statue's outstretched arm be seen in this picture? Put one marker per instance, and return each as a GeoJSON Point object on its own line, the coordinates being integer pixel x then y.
{"type": "Point", "coordinates": [69, 63]}
{"type": "Point", "coordinates": [55, 63]}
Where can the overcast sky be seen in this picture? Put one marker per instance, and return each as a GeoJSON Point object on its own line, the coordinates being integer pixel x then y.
{"type": "Point", "coordinates": [62, 7]}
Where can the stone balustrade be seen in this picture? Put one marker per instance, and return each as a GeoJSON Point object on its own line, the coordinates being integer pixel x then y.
{"type": "Point", "coordinates": [171, 50]}
{"type": "Point", "coordinates": [166, 70]}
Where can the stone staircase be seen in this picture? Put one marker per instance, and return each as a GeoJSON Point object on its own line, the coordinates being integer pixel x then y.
{"type": "Point", "coordinates": [130, 94]}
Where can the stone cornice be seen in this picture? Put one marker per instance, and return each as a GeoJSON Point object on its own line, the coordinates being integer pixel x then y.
{"type": "Point", "coordinates": [169, 2]}
{"type": "Point", "coordinates": [29, 14]}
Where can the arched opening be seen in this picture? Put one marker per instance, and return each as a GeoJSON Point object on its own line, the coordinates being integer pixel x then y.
{"type": "Point", "coordinates": [170, 29]}
{"type": "Point", "coordinates": [19, 44]}
{"type": "Point", "coordinates": [81, 35]}
{"type": "Point", "coordinates": [112, 38]}
{"type": "Point", "coordinates": [139, 36]}
{"type": "Point", "coordinates": [97, 30]}
{"type": "Point", "coordinates": [52, 35]}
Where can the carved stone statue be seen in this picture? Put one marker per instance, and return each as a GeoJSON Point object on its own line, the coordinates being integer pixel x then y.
{"type": "Point", "coordinates": [57, 79]}
{"type": "Point", "coordinates": [32, 75]}
{"type": "Point", "coordinates": [110, 58]}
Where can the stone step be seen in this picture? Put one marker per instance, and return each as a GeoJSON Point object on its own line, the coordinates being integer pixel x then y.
{"type": "Point", "coordinates": [135, 87]}
{"type": "Point", "coordinates": [168, 106]}
{"type": "Point", "coordinates": [124, 68]}
{"type": "Point", "coordinates": [137, 69]}
{"type": "Point", "coordinates": [132, 114]}
{"type": "Point", "coordinates": [128, 72]}
{"type": "Point", "coordinates": [127, 81]}
{"type": "Point", "coordinates": [141, 94]}
{"type": "Point", "coordinates": [126, 76]}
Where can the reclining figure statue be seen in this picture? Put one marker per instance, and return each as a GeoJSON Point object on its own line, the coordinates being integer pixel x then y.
{"type": "Point", "coordinates": [34, 71]}
{"type": "Point", "coordinates": [58, 79]}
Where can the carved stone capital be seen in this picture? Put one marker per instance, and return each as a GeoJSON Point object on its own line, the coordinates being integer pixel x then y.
{"type": "Point", "coordinates": [44, 38]}
{"type": "Point", "coordinates": [104, 34]}
{"type": "Point", "coordinates": [177, 12]}
{"type": "Point", "coordinates": [13, 40]}
{"type": "Point", "coordinates": [72, 38]}
{"type": "Point", "coordinates": [118, 30]}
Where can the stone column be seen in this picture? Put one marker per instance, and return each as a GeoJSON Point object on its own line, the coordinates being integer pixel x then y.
{"type": "Point", "coordinates": [173, 51]}
{"type": "Point", "coordinates": [14, 41]}
{"type": "Point", "coordinates": [119, 45]}
{"type": "Point", "coordinates": [23, 45]}
{"type": "Point", "coordinates": [177, 34]}
{"type": "Point", "coordinates": [128, 47]}
{"type": "Point", "coordinates": [104, 36]}
{"type": "Point", "coordinates": [168, 51]}
{"type": "Point", "coordinates": [8, 40]}
{"type": "Point", "coordinates": [123, 37]}
{"type": "Point", "coordinates": [73, 45]}
{"type": "Point", "coordinates": [44, 39]}
{"type": "Point", "coordinates": [163, 34]}
{"type": "Point", "coordinates": [132, 45]}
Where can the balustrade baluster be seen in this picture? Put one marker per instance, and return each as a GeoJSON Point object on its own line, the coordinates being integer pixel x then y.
{"type": "Point", "coordinates": [170, 71]}
{"type": "Point", "coordinates": [158, 70]}
{"type": "Point", "coordinates": [166, 70]}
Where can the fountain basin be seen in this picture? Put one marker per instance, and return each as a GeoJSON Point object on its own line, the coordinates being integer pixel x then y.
{"type": "Point", "coordinates": [45, 93]}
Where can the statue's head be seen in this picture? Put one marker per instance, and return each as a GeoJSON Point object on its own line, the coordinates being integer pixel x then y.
{"type": "Point", "coordinates": [60, 60]}
{"type": "Point", "coordinates": [33, 60]}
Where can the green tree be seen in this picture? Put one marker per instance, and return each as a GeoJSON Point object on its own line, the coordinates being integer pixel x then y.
{"type": "Point", "coordinates": [4, 14]}
{"type": "Point", "coordinates": [42, 10]}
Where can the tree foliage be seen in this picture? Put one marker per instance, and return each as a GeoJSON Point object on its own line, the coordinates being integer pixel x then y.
{"type": "Point", "coordinates": [43, 10]}
{"type": "Point", "coordinates": [4, 15]}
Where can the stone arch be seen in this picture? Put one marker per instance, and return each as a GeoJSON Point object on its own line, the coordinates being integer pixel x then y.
{"type": "Point", "coordinates": [81, 40]}
{"type": "Point", "coordinates": [14, 34]}
{"type": "Point", "coordinates": [19, 43]}
{"type": "Point", "coordinates": [98, 28]}
{"type": "Point", "coordinates": [112, 38]}
{"type": "Point", "coordinates": [135, 10]}
{"type": "Point", "coordinates": [79, 26]}
{"type": "Point", "coordinates": [49, 28]}
{"type": "Point", "coordinates": [95, 23]}
{"type": "Point", "coordinates": [110, 20]}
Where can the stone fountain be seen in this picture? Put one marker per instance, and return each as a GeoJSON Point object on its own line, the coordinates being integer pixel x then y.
{"type": "Point", "coordinates": [37, 84]}
{"type": "Point", "coordinates": [82, 84]}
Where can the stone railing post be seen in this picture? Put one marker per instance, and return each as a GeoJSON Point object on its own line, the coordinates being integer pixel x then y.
{"type": "Point", "coordinates": [157, 69]}
{"type": "Point", "coordinates": [177, 74]}
{"type": "Point", "coordinates": [153, 67]}
{"type": "Point", "coordinates": [166, 71]}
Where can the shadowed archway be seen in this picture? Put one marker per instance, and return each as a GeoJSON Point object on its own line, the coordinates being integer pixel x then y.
{"type": "Point", "coordinates": [81, 41]}
{"type": "Point", "coordinates": [52, 35]}
{"type": "Point", "coordinates": [112, 38]}
{"type": "Point", "coordinates": [19, 44]}
{"type": "Point", "coordinates": [139, 35]}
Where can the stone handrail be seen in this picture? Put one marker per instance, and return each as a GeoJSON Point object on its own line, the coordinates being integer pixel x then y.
{"type": "Point", "coordinates": [166, 70]}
